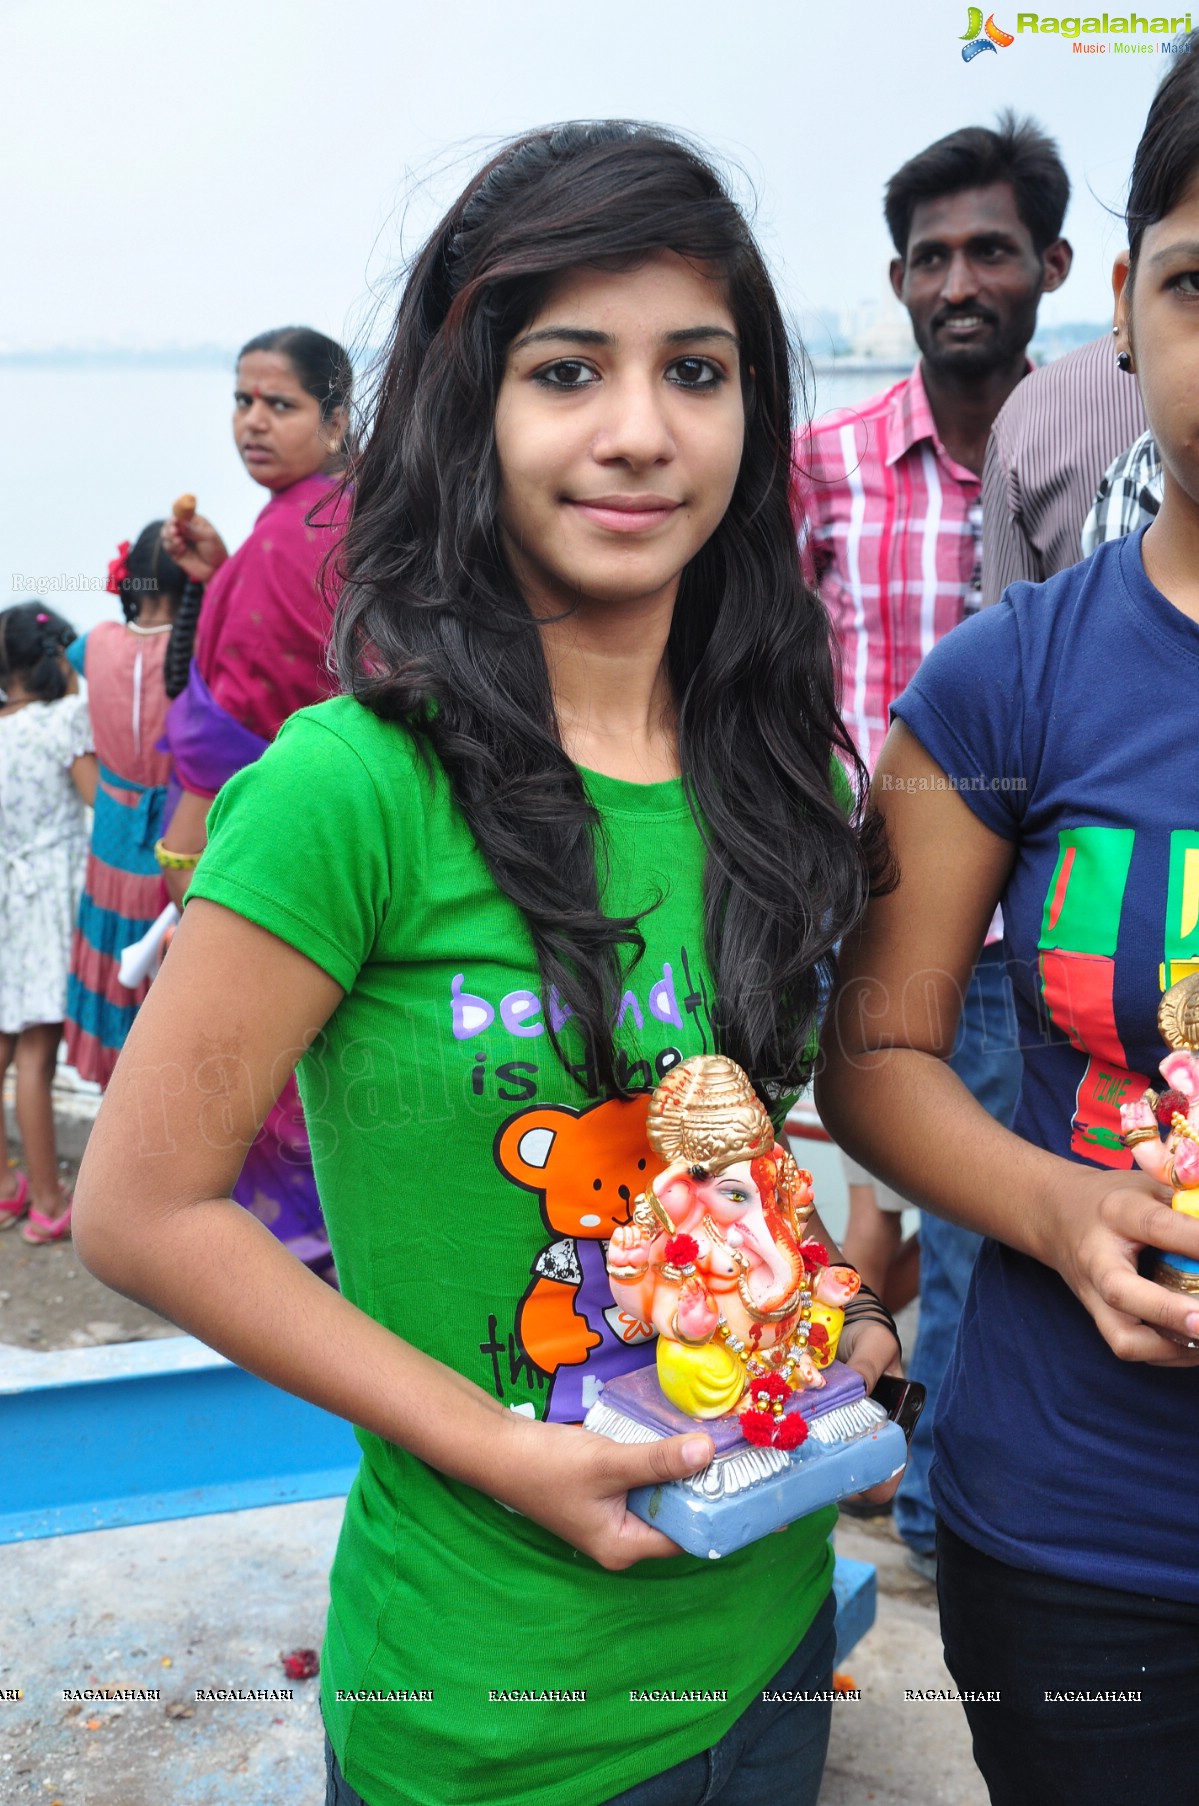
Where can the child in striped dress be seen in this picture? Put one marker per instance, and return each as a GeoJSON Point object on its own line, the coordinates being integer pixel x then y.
{"type": "Point", "coordinates": [123, 891]}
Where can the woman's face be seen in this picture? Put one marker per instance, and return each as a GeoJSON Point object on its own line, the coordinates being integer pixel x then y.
{"type": "Point", "coordinates": [619, 430]}
{"type": "Point", "coordinates": [277, 424]}
{"type": "Point", "coordinates": [1158, 323]}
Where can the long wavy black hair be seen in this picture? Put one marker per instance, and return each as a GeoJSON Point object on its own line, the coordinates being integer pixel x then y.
{"type": "Point", "coordinates": [432, 629]}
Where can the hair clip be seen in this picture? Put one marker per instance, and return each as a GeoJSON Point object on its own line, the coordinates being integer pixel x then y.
{"type": "Point", "coordinates": [43, 617]}
{"type": "Point", "coordinates": [118, 569]}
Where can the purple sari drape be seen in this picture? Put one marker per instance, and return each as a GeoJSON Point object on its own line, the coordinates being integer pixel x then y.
{"type": "Point", "coordinates": [276, 1184]}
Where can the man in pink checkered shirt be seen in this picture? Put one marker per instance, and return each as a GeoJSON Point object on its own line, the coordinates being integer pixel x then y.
{"type": "Point", "coordinates": [890, 489]}
{"type": "Point", "coordinates": [888, 497]}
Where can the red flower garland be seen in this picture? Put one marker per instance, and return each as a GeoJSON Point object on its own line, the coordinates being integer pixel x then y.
{"type": "Point", "coordinates": [766, 1388]}
{"type": "Point", "coordinates": [118, 569]}
{"type": "Point", "coordinates": [814, 1255]}
{"type": "Point", "coordinates": [682, 1250]}
{"type": "Point", "coordinates": [760, 1426]}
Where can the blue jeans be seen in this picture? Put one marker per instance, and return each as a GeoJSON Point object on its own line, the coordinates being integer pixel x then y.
{"type": "Point", "coordinates": [1033, 1640]}
{"type": "Point", "coordinates": [773, 1756]}
{"type": "Point", "coordinates": [987, 1060]}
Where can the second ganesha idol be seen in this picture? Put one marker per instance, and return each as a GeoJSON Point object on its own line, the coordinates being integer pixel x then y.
{"type": "Point", "coordinates": [1174, 1160]}
{"type": "Point", "coordinates": [748, 1314]}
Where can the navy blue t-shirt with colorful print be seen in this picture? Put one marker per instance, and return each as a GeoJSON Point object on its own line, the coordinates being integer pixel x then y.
{"type": "Point", "coordinates": [1065, 715]}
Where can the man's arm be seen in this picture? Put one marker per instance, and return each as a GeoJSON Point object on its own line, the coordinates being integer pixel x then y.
{"type": "Point", "coordinates": [1008, 554]}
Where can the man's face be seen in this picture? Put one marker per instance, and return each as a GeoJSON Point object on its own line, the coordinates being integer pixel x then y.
{"type": "Point", "coordinates": [971, 280]}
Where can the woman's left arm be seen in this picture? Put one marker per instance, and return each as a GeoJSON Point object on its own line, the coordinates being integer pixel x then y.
{"type": "Point", "coordinates": [186, 833]}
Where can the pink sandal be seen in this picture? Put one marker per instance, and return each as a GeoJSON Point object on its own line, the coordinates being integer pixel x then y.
{"type": "Point", "coordinates": [14, 1208]}
{"type": "Point", "coordinates": [40, 1228]}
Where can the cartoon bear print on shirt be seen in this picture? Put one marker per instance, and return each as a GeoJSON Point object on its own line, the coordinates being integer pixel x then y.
{"type": "Point", "coordinates": [588, 1168]}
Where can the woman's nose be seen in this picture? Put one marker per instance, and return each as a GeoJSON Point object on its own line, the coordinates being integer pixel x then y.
{"type": "Point", "coordinates": [636, 430]}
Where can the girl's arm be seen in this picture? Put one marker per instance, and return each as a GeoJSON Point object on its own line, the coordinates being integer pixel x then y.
{"type": "Point", "coordinates": [186, 832]}
{"type": "Point", "coordinates": [85, 775]}
{"type": "Point", "coordinates": [226, 1020]}
{"type": "Point", "coordinates": [888, 1095]}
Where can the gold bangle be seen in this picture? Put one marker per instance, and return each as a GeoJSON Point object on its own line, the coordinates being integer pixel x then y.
{"type": "Point", "coordinates": [174, 862]}
{"type": "Point", "coordinates": [688, 1341]}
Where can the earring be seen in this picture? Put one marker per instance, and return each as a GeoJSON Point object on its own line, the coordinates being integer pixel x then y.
{"type": "Point", "coordinates": [1124, 362]}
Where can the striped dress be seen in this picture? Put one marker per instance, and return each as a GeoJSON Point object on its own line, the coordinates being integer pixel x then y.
{"type": "Point", "coordinates": [123, 889]}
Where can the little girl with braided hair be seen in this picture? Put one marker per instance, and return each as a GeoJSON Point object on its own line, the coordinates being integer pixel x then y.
{"type": "Point", "coordinates": [47, 777]}
{"type": "Point", "coordinates": [127, 666]}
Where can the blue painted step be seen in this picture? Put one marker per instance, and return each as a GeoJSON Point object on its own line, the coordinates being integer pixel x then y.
{"type": "Point", "coordinates": [855, 1586]}
{"type": "Point", "coordinates": [97, 1437]}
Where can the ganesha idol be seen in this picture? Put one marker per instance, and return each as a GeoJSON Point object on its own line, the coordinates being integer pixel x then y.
{"type": "Point", "coordinates": [713, 1257]}
{"type": "Point", "coordinates": [748, 1315]}
{"type": "Point", "coordinates": [1174, 1160]}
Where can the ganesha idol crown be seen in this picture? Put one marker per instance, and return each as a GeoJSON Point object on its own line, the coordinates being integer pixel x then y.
{"type": "Point", "coordinates": [705, 1113]}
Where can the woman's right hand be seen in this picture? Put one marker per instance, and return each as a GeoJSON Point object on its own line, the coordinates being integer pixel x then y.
{"type": "Point", "coordinates": [576, 1483]}
{"type": "Point", "coordinates": [195, 545]}
{"type": "Point", "coordinates": [1098, 1224]}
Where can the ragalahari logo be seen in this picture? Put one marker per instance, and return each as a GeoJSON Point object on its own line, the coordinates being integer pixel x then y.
{"type": "Point", "coordinates": [978, 37]}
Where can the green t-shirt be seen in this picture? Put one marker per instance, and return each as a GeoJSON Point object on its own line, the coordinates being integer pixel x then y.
{"type": "Point", "coordinates": [469, 1184]}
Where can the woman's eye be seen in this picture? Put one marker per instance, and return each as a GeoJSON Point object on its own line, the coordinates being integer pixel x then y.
{"type": "Point", "coordinates": [1187, 283]}
{"type": "Point", "coordinates": [695, 373]}
{"type": "Point", "coordinates": [567, 373]}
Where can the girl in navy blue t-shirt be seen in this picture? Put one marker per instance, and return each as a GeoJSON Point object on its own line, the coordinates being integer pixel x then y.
{"type": "Point", "coordinates": [1041, 758]}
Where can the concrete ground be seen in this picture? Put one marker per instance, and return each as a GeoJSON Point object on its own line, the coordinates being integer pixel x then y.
{"type": "Point", "coordinates": [216, 1601]}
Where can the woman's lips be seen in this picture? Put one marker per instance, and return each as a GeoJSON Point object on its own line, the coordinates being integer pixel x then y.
{"type": "Point", "coordinates": [257, 454]}
{"type": "Point", "coordinates": [619, 514]}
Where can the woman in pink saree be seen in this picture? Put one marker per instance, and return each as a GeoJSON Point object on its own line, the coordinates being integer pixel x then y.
{"type": "Point", "coordinates": [259, 655]}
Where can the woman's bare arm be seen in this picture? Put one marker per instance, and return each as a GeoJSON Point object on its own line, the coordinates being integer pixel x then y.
{"type": "Point", "coordinates": [888, 1095]}
{"type": "Point", "coordinates": [226, 1020]}
{"type": "Point", "coordinates": [186, 832]}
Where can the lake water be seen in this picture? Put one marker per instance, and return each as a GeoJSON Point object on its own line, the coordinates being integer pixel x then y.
{"type": "Point", "coordinates": [94, 451]}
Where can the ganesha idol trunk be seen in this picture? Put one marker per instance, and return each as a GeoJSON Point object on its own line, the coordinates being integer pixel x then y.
{"type": "Point", "coordinates": [748, 1314]}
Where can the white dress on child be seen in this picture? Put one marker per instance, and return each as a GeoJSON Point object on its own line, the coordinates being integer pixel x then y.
{"type": "Point", "coordinates": [43, 856]}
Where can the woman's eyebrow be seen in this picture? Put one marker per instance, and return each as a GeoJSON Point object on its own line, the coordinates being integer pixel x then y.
{"type": "Point", "coordinates": [261, 395]}
{"type": "Point", "coordinates": [573, 335]}
{"type": "Point", "coordinates": [1184, 248]}
{"type": "Point", "coordinates": [692, 335]}
{"type": "Point", "coordinates": [582, 335]}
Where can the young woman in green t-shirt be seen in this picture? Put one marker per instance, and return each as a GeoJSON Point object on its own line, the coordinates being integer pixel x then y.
{"type": "Point", "coordinates": [575, 820]}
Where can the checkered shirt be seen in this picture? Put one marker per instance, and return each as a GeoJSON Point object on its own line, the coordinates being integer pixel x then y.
{"type": "Point", "coordinates": [1129, 495]}
{"type": "Point", "coordinates": [890, 528]}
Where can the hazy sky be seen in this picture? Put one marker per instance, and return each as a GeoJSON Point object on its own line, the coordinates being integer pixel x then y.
{"type": "Point", "coordinates": [198, 173]}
